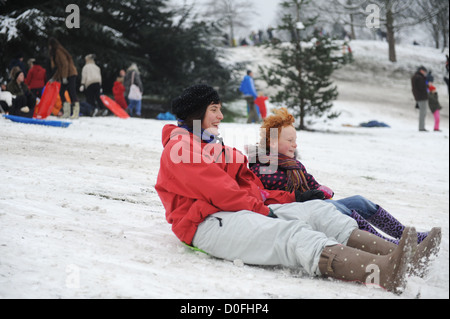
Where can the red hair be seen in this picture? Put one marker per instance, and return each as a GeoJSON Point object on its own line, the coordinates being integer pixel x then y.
{"type": "Point", "coordinates": [280, 118]}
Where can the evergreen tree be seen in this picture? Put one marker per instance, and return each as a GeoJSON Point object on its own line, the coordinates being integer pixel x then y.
{"type": "Point", "coordinates": [171, 47]}
{"type": "Point", "coordinates": [303, 67]}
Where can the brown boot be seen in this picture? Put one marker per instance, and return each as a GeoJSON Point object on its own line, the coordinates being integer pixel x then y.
{"type": "Point", "coordinates": [425, 250]}
{"type": "Point", "coordinates": [387, 271]}
{"type": "Point", "coordinates": [370, 243]}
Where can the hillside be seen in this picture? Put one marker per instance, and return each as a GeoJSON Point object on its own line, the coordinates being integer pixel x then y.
{"type": "Point", "coordinates": [378, 80]}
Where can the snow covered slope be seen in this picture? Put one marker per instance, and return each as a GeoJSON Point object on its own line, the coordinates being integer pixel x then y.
{"type": "Point", "coordinates": [80, 217]}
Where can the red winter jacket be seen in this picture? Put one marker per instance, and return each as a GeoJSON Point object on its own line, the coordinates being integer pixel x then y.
{"type": "Point", "coordinates": [36, 77]}
{"type": "Point", "coordinates": [119, 91]}
{"type": "Point", "coordinates": [197, 179]}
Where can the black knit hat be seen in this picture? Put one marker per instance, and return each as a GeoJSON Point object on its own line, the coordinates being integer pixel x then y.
{"type": "Point", "coordinates": [192, 103]}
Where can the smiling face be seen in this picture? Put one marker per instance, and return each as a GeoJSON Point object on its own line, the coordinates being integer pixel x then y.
{"type": "Point", "coordinates": [212, 118]}
{"type": "Point", "coordinates": [287, 141]}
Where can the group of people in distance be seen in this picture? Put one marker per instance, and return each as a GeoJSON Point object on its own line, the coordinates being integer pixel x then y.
{"type": "Point", "coordinates": [18, 97]}
{"type": "Point", "coordinates": [218, 204]}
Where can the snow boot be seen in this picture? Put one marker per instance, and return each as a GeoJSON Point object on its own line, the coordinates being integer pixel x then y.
{"type": "Point", "coordinates": [428, 248]}
{"type": "Point", "coordinates": [66, 110]}
{"type": "Point", "coordinates": [351, 264]}
{"type": "Point", "coordinates": [423, 254]}
{"type": "Point", "coordinates": [370, 243]}
{"type": "Point", "coordinates": [391, 226]}
{"type": "Point", "coordinates": [76, 111]}
{"type": "Point", "coordinates": [365, 225]}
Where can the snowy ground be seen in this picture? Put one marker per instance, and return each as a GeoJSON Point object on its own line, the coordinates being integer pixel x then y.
{"type": "Point", "coordinates": [80, 217]}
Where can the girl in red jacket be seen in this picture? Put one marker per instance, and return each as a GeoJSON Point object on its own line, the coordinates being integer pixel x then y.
{"type": "Point", "coordinates": [216, 204]}
{"type": "Point", "coordinates": [119, 90]}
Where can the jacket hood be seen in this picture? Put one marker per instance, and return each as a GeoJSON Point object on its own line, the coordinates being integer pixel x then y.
{"type": "Point", "coordinates": [167, 133]}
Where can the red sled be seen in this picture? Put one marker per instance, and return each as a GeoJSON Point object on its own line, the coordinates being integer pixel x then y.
{"type": "Point", "coordinates": [114, 107]}
{"type": "Point", "coordinates": [48, 100]}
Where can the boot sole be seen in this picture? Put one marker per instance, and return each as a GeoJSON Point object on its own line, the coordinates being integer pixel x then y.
{"type": "Point", "coordinates": [419, 265]}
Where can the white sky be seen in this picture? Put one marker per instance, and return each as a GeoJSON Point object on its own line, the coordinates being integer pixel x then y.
{"type": "Point", "coordinates": [266, 10]}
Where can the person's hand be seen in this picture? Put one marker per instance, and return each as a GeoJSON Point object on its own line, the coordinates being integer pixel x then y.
{"type": "Point", "coordinates": [82, 88]}
{"type": "Point", "coordinates": [65, 81]}
{"type": "Point", "coordinates": [328, 192]}
{"type": "Point", "coordinates": [308, 195]}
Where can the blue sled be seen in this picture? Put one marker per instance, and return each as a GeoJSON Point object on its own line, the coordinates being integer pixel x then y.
{"type": "Point", "coordinates": [26, 120]}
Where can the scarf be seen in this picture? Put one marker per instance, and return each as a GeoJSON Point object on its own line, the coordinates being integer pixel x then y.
{"type": "Point", "coordinates": [206, 136]}
{"type": "Point", "coordinates": [295, 178]}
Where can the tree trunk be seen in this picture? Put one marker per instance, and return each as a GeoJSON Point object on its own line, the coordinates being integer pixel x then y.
{"type": "Point", "coordinates": [231, 34]}
{"type": "Point", "coordinates": [390, 34]}
{"type": "Point", "coordinates": [352, 27]}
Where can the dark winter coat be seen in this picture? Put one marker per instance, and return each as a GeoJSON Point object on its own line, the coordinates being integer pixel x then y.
{"type": "Point", "coordinates": [17, 89]}
{"type": "Point", "coordinates": [433, 102]}
{"type": "Point", "coordinates": [419, 87]}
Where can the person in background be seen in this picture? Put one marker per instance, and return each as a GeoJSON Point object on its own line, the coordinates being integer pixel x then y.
{"type": "Point", "coordinates": [18, 61]}
{"type": "Point", "coordinates": [66, 73]}
{"type": "Point", "coordinates": [435, 106]}
{"type": "Point", "coordinates": [91, 81]}
{"type": "Point", "coordinates": [420, 92]}
{"type": "Point", "coordinates": [446, 77]}
{"type": "Point", "coordinates": [5, 97]}
{"type": "Point", "coordinates": [24, 101]}
{"type": "Point", "coordinates": [36, 77]}
{"type": "Point", "coordinates": [133, 90]}
{"type": "Point", "coordinates": [119, 90]}
{"type": "Point", "coordinates": [248, 89]}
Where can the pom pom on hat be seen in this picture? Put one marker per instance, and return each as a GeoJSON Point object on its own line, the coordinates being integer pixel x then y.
{"type": "Point", "coordinates": [194, 101]}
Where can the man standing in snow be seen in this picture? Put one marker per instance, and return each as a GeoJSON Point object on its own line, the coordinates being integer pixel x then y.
{"type": "Point", "coordinates": [248, 89]}
{"type": "Point", "coordinates": [420, 92]}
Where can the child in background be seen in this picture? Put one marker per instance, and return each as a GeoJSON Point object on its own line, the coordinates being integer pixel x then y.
{"type": "Point", "coordinates": [435, 106]}
{"type": "Point", "coordinates": [261, 103]}
{"type": "Point", "coordinates": [119, 90]}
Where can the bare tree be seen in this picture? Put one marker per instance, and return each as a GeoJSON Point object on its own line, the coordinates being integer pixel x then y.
{"type": "Point", "coordinates": [392, 15]}
{"type": "Point", "coordinates": [438, 23]}
{"type": "Point", "coordinates": [231, 14]}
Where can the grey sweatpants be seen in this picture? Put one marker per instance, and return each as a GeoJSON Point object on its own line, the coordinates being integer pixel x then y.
{"type": "Point", "coordinates": [295, 239]}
